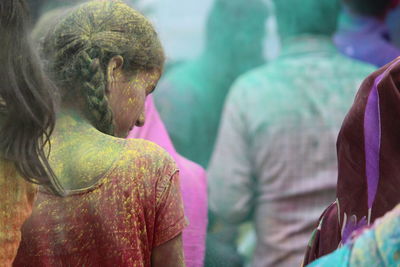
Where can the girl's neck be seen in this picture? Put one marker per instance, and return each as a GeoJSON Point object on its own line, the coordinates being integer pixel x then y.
{"type": "Point", "coordinates": [80, 154]}
{"type": "Point", "coordinates": [72, 124]}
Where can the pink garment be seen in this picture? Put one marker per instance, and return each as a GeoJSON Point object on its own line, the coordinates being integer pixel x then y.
{"type": "Point", "coordinates": [193, 186]}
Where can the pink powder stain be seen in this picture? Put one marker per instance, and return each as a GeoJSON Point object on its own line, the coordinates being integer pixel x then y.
{"type": "Point", "coordinates": [193, 183]}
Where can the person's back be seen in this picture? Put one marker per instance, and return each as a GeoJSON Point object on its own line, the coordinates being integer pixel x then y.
{"type": "Point", "coordinates": [127, 204]}
{"type": "Point", "coordinates": [275, 154]}
{"type": "Point", "coordinates": [362, 33]}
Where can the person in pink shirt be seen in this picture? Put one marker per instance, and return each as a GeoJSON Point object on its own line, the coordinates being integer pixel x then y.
{"type": "Point", "coordinates": [193, 185]}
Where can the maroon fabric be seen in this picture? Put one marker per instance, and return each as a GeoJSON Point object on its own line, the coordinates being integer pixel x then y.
{"type": "Point", "coordinates": [352, 191]}
{"type": "Point", "coordinates": [318, 246]}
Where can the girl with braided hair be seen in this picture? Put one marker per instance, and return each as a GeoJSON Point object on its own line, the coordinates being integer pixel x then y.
{"type": "Point", "coordinates": [124, 205]}
{"type": "Point", "coordinates": [27, 118]}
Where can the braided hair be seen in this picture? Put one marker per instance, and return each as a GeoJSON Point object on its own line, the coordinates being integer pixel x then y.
{"type": "Point", "coordinates": [80, 46]}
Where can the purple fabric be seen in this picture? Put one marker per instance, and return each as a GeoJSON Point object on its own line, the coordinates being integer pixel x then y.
{"type": "Point", "coordinates": [372, 138]}
{"type": "Point", "coordinates": [193, 186]}
{"type": "Point", "coordinates": [351, 227]}
{"type": "Point", "coordinates": [372, 135]}
{"type": "Point", "coordinates": [365, 39]}
{"type": "Point", "coordinates": [368, 151]}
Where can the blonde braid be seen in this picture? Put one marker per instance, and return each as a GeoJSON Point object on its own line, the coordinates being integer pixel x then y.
{"type": "Point", "coordinates": [94, 89]}
{"type": "Point", "coordinates": [80, 46]}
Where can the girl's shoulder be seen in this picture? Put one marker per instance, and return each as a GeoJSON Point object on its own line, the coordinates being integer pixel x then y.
{"type": "Point", "coordinates": [145, 157]}
{"type": "Point", "coordinates": [143, 167]}
{"type": "Point", "coordinates": [144, 148]}
{"type": "Point", "coordinates": [81, 163]}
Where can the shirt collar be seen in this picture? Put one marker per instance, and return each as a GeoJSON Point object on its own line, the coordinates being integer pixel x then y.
{"type": "Point", "coordinates": [307, 44]}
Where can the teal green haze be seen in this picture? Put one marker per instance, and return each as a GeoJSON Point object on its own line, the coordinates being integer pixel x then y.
{"type": "Point", "coordinates": [190, 97]}
{"type": "Point", "coordinates": [295, 17]}
{"type": "Point", "coordinates": [274, 162]}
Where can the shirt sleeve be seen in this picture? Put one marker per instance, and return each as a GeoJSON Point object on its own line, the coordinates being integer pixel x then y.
{"type": "Point", "coordinates": [230, 180]}
{"type": "Point", "coordinates": [170, 218]}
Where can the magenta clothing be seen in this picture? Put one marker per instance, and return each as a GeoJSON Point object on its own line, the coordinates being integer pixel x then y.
{"type": "Point", "coordinates": [193, 186]}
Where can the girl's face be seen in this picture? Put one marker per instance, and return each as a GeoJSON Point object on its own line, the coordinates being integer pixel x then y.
{"type": "Point", "coordinates": [127, 94]}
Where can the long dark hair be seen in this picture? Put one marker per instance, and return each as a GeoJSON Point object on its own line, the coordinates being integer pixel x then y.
{"type": "Point", "coordinates": [35, 7]}
{"type": "Point", "coordinates": [27, 99]}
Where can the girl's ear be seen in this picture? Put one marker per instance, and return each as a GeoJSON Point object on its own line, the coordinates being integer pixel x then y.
{"type": "Point", "coordinates": [114, 72]}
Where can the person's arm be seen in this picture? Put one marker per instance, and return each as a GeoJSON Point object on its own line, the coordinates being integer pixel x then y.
{"type": "Point", "coordinates": [169, 224]}
{"type": "Point", "coordinates": [230, 172]}
{"type": "Point", "coordinates": [169, 254]}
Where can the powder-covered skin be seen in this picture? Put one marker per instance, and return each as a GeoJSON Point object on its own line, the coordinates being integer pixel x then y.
{"type": "Point", "coordinates": [190, 96]}
{"type": "Point", "coordinates": [127, 97]}
{"type": "Point", "coordinates": [16, 201]}
{"type": "Point", "coordinates": [80, 47]}
{"type": "Point", "coordinates": [124, 201]}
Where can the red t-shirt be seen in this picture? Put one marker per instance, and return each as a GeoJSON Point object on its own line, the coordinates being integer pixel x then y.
{"type": "Point", "coordinates": [135, 207]}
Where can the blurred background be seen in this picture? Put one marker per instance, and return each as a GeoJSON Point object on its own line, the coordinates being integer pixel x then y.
{"type": "Point", "coordinates": [210, 44]}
